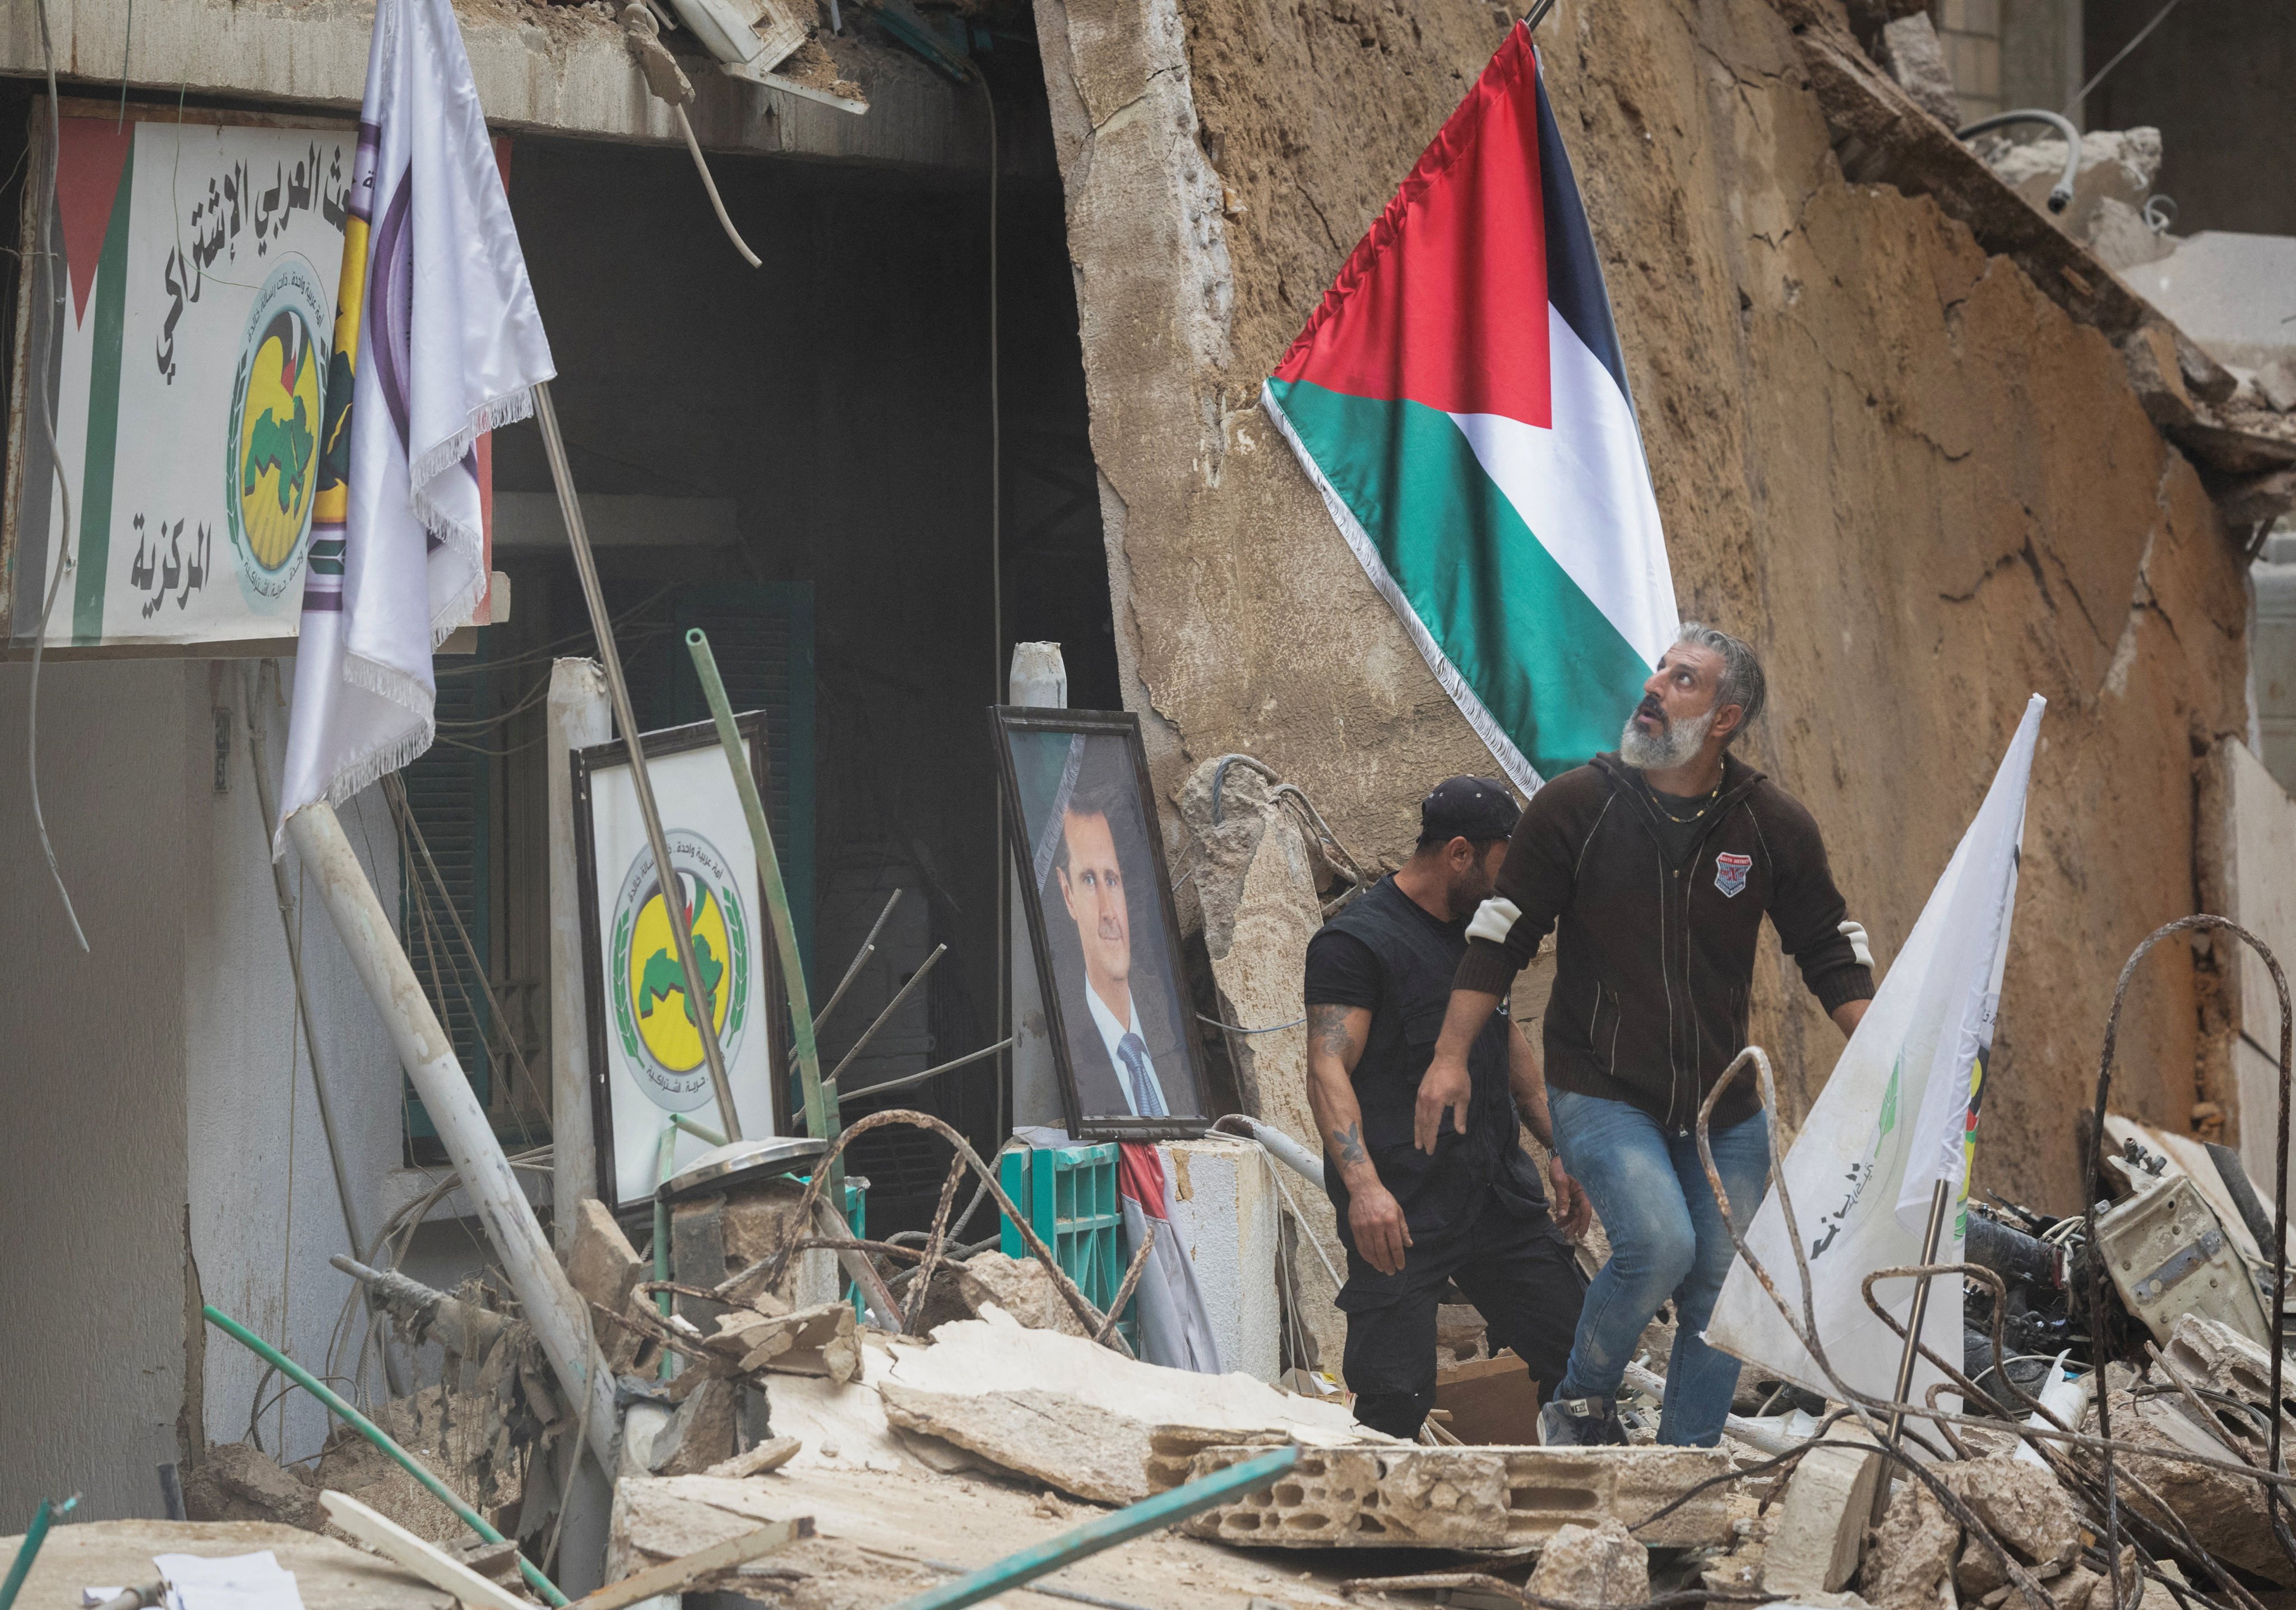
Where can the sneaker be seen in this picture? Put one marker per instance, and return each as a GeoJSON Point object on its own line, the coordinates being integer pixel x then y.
{"type": "Point", "coordinates": [1580, 1423]}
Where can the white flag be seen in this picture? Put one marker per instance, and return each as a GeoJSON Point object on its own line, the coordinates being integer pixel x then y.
{"type": "Point", "coordinates": [437, 341]}
{"type": "Point", "coordinates": [1893, 1120]}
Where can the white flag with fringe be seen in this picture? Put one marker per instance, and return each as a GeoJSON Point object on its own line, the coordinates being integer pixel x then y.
{"type": "Point", "coordinates": [1896, 1117]}
{"type": "Point", "coordinates": [437, 341]}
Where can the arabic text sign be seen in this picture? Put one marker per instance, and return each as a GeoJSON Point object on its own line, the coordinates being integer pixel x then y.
{"type": "Point", "coordinates": [197, 299]}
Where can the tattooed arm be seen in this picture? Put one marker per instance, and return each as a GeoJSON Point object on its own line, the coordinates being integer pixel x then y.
{"type": "Point", "coordinates": [1335, 1043]}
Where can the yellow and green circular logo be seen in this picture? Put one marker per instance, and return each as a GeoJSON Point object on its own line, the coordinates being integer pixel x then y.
{"type": "Point", "coordinates": [655, 1022]}
{"type": "Point", "coordinates": [272, 469]}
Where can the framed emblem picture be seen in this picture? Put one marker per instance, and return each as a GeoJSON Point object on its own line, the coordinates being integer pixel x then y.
{"type": "Point", "coordinates": [650, 1080]}
{"type": "Point", "coordinates": [1100, 922]}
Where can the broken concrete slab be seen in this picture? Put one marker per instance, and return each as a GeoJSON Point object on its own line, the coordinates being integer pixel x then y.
{"type": "Point", "coordinates": [2214, 1357]}
{"type": "Point", "coordinates": [881, 1537]}
{"type": "Point", "coordinates": [236, 1481]}
{"type": "Point", "coordinates": [1046, 1436]}
{"type": "Point", "coordinates": [701, 1433]}
{"type": "Point", "coordinates": [2022, 1505]}
{"type": "Point", "coordinates": [2225, 1512]}
{"type": "Point", "coordinates": [1910, 50]}
{"type": "Point", "coordinates": [2115, 164]}
{"type": "Point", "coordinates": [1022, 1287]}
{"type": "Point", "coordinates": [771, 1454]}
{"type": "Point", "coordinates": [1594, 1566]}
{"type": "Point", "coordinates": [329, 1575]}
{"type": "Point", "coordinates": [1469, 1497]}
{"type": "Point", "coordinates": [974, 1356]}
{"type": "Point", "coordinates": [817, 1341]}
{"type": "Point", "coordinates": [605, 1269]}
{"type": "Point", "coordinates": [1820, 1533]}
{"type": "Point", "coordinates": [1911, 1552]}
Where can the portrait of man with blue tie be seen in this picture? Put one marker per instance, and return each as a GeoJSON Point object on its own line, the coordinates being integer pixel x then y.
{"type": "Point", "coordinates": [1092, 886]}
{"type": "Point", "coordinates": [1099, 907]}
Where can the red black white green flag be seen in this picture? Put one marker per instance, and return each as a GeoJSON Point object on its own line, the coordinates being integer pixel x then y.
{"type": "Point", "coordinates": [1460, 400]}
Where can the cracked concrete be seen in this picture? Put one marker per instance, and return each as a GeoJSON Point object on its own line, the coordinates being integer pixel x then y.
{"type": "Point", "coordinates": [1889, 458]}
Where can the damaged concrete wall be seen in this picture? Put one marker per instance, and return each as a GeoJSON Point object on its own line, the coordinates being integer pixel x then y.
{"type": "Point", "coordinates": [152, 1142]}
{"type": "Point", "coordinates": [93, 1193]}
{"type": "Point", "coordinates": [1921, 486]}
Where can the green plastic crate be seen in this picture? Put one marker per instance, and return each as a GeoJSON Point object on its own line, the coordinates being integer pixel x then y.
{"type": "Point", "coordinates": [1069, 1196]}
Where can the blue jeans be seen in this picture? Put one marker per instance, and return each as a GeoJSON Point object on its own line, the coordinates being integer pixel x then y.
{"type": "Point", "coordinates": [1667, 1240]}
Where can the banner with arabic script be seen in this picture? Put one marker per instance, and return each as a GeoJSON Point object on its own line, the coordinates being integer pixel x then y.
{"type": "Point", "coordinates": [186, 341]}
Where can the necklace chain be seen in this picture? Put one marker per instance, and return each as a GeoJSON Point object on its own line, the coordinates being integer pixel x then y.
{"type": "Point", "coordinates": [1705, 806]}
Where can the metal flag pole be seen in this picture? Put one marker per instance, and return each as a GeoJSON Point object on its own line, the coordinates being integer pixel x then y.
{"type": "Point", "coordinates": [1940, 1195]}
{"type": "Point", "coordinates": [578, 536]}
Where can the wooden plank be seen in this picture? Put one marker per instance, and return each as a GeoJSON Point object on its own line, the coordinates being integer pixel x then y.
{"type": "Point", "coordinates": [673, 1576]}
{"type": "Point", "coordinates": [426, 1560]}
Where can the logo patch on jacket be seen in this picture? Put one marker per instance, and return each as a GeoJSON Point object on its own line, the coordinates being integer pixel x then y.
{"type": "Point", "coordinates": [1730, 871]}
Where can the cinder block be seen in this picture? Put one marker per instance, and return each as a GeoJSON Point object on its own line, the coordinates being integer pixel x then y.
{"type": "Point", "coordinates": [1468, 1497]}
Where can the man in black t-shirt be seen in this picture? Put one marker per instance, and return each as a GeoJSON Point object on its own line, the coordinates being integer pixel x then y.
{"type": "Point", "coordinates": [1471, 1210]}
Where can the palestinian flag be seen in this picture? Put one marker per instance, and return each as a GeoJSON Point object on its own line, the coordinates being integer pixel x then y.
{"type": "Point", "coordinates": [1460, 400]}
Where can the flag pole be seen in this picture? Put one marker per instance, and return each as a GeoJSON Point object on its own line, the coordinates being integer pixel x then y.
{"type": "Point", "coordinates": [578, 536]}
{"type": "Point", "coordinates": [1940, 1193]}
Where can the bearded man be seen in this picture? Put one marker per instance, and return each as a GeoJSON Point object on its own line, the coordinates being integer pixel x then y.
{"type": "Point", "coordinates": [1655, 866]}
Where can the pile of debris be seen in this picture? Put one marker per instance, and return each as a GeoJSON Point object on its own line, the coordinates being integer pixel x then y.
{"type": "Point", "coordinates": [773, 1446]}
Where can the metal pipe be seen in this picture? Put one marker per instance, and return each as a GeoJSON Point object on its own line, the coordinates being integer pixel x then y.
{"type": "Point", "coordinates": [29, 1551]}
{"type": "Point", "coordinates": [372, 1432]}
{"type": "Point", "coordinates": [906, 1079]}
{"type": "Point", "coordinates": [820, 1110]}
{"type": "Point", "coordinates": [860, 956]}
{"type": "Point", "coordinates": [2060, 195]}
{"type": "Point", "coordinates": [617, 690]}
{"type": "Point", "coordinates": [869, 1033]}
{"type": "Point", "coordinates": [560, 1321]}
{"type": "Point", "coordinates": [1932, 1235]}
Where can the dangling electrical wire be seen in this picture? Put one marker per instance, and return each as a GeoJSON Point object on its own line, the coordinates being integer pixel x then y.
{"type": "Point", "coordinates": [43, 248]}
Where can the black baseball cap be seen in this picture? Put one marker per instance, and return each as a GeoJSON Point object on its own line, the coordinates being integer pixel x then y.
{"type": "Point", "coordinates": [1478, 808]}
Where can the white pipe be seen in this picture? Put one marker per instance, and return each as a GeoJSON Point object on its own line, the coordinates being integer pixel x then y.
{"type": "Point", "coordinates": [579, 716]}
{"type": "Point", "coordinates": [552, 1307]}
{"type": "Point", "coordinates": [1281, 1146]}
{"type": "Point", "coordinates": [1772, 1433]}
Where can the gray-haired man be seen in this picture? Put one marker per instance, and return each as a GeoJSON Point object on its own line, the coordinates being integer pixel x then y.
{"type": "Point", "coordinates": [1655, 866]}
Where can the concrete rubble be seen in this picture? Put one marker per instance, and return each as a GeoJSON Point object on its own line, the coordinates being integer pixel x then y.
{"type": "Point", "coordinates": [1601, 1565]}
{"type": "Point", "coordinates": [888, 1463]}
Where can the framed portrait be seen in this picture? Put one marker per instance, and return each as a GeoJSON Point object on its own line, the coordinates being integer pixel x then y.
{"type": "Point", "coordinates": [1101, 921]}
{"type": "Point", "coordinates": [646, 1062]}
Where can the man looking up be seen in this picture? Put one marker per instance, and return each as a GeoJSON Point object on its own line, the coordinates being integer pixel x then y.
{"type": "Point", "coordinates": [1655, 866]}
{"type": "Point", "coordinates": [1470, 1206]}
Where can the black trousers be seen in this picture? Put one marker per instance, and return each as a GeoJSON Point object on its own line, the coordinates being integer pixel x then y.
{"type": "Point", "coordinates": [1519, 1272]}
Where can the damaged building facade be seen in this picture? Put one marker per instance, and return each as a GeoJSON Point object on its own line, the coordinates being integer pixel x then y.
{"type": "Point", "coordinates": [998, 382]}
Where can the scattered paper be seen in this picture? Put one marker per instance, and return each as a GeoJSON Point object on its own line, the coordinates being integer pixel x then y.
{"type": "Point", "coordinates": [243, 1582]}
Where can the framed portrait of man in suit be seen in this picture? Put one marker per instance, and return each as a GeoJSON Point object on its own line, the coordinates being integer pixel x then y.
{"type": "Point", "coordinates": [1101, 921]}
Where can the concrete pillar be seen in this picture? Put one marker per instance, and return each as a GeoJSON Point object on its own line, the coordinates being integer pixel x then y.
{"type": "Point", "coordinates": [578, 718]}
{"type": "Point", "coordinates": [1228, 1217]}
{"type": "Point", "coordinates": [1040, 680]}
{"type": "Point", "coordinates": [1259, 909]}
